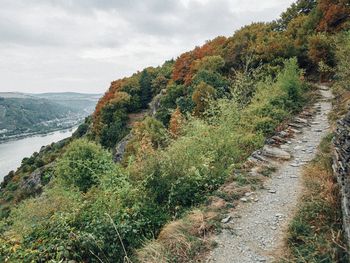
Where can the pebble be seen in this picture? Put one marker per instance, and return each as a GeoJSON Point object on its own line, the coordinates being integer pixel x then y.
{"type": "Point", "coordinates": [243, 199]}
{"type": "Point", "coordinates": [226, 220]}
{"type": "Point", "coordinates": [271, 191]}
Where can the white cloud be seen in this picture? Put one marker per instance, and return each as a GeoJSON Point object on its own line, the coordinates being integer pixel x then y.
{"type": "Point", "coordinates": [82, 45]}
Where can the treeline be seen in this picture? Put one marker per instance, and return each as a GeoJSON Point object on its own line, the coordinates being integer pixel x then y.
{"type": "Point", "coordinates": [304, 31]}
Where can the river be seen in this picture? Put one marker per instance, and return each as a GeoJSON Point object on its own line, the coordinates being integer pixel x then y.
{"type": "Point", "coordinates": [12, 152]}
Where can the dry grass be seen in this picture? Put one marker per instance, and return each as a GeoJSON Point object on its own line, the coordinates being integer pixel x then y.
{"type": "Point", "coordinates": [315, 234]}
{"type": "Point", "coordinates": [182, 240]}
{"type": "Point", "coordinates": [341, 103]}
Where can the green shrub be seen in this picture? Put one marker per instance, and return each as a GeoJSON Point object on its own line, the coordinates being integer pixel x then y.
{"type": "Point", "coordinates": [83, 164]}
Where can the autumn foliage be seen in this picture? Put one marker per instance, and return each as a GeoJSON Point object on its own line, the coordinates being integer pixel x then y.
{"type": "Point", "coordinates": [334, 14]}
{"type": "Point", "coordinates": [304, 31]}
{"type": "Point", "coordinates": [176, 123]}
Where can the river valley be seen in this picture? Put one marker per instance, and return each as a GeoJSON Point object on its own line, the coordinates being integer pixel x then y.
{"type": "Point", "coordinates": [12, 152]}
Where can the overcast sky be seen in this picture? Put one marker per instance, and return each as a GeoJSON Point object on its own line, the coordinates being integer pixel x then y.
{"type": "Point", "coordinates": [82, 45]}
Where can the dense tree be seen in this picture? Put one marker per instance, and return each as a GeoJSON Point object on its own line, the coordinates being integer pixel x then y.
{"type": "Point", "coordinates": [301, 7]}
{"type": "Point", "coordinates": [321, 49]}
{"type": "Point", "coordinates": [146, 88]}
{"type": "Point", "coordinates": [335, 15]}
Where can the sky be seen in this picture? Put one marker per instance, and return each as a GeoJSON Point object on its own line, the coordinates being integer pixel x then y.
{"type": "Point", "coordinates": [83, 45]}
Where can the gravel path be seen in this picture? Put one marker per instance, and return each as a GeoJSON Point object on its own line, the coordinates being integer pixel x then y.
{"type": "Point", "coordinates": [257, 229]}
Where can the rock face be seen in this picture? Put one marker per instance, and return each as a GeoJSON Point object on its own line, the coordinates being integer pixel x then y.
{"type": "Point", "coordinates": [120, 148]}
{"type": "Point", "coordinates": [275, 152]}
{"type": "Point", "coordinates": [152, 110]}
{"type": "Point", "coordinates": [341, 168]}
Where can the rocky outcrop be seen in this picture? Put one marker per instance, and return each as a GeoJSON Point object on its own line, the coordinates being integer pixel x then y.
{"type": "Point", "coordinates": [120, 148]}
{"type": "Point", "coordinates": [152, 110]}
{"type": "Point", "coordinates": [341, 168]}
{"type": "Point", "coordinates": [155, 103]}
{"type": "Point", "coordinates": [33, 184]}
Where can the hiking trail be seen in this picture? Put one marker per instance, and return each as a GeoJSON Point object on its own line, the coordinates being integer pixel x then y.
{"type": "Point", "coordinates": [258, 225]}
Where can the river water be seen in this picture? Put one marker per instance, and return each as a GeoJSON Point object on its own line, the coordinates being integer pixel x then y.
{"type": "Point", "coordinates": [12, 152]}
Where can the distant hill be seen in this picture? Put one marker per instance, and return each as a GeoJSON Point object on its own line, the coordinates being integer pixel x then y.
{"type": "Point", "coordinates": [22, 113]}
{"type": "Point", "coordinates": [76, 101]}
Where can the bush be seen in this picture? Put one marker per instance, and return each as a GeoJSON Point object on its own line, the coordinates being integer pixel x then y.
{"type": "Point", "coordinates": [83, 164]}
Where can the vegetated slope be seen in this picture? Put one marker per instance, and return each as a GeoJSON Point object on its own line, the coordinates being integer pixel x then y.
{"type": "Point", "coordinates": [30, 113]}
{"type": "Point", "coordinates": [23, 114]}
{"type": "Point", "coordinates": [214, 106]}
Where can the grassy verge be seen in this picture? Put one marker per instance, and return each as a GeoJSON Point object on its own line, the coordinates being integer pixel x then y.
{"type": "Point", "coordinates": [190, 238]}
{"type": "Point", "coordinates": [315, 234]}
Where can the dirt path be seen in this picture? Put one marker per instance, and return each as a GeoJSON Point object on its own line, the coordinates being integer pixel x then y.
{"type": "Point", "coordinates": [257, 228]}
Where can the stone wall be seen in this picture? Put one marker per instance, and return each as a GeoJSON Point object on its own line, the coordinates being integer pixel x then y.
{"type": "Point", "coordinates": [341, 167]}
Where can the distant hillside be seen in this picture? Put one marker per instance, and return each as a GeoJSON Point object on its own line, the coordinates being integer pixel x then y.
{"type": "Point", "coordinates": [22, 113]}
{"type": "Point", "coordinates": [76, 101]}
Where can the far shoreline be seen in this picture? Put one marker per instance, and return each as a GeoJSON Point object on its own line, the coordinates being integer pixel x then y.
{"type": "Point", "coordinates": [33, 134]}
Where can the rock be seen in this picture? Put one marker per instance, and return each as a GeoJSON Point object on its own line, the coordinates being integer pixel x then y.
{"type": "Point", "coordinates": [275, 152]}
{"type": "Point", "coordinates": [271, 191]}
{"type": "Point", "coordinates": [301, 120]}
{"type": "Point", "coordinates": [120, 148]}
{"type": "Point", "coordinates": [284, 134]}
{"type": "Point", "coordinates": [279, 215]}
{"type": "Point", "coordinates": [248, 194]}
{"type": "Point", "coordinates": [295, 131]}
{"type": "Point", "coordinates": [226, 220]}
{"type": "Point", "coordinates": [284, 147]}
{"type": "Point", "coordinates": [243, 199]}
{"type": "Point", "coordinates": [296, 125]}
{"type": "Point", "coordinates": [278, 139]}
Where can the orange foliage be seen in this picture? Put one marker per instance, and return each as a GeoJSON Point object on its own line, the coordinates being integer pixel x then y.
{"type": "Point", "coordinates": [176, 122]}
{"type": "Point", "coordinates": [334, 14]}
{"type": "Point", "coordinates": [183, 68]}
{"type": "Point", "coordinates": [107, 97]}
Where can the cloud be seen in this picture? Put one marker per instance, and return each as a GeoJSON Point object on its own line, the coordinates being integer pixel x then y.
{"type": "Point", "coordinates": [82, 45]}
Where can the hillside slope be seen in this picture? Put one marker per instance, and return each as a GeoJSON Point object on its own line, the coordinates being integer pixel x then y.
{"type": "Point", "coordinates": [22, 113]}
{"type": "Point", "coordinates": [215, 106]}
